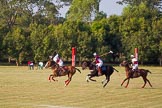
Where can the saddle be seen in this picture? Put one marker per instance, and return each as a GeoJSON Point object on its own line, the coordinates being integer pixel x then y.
{"type": "Point", "coordinates": [105, 67]}
{"type": "Point", "coordinates": [62, 70]}
{"type": "Point", "coordinates": [134, 73]}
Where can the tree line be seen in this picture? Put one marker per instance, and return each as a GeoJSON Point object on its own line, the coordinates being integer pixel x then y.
{"type": "Point", "coordinates": [33, 29]}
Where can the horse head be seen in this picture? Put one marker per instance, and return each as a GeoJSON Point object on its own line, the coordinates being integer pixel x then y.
{"type": "Point", "coordinates": [89, 64]}
{"type": "Point", "coordinates": [124, 63]}
{"type": "Point", "coordinates": [84, 65]}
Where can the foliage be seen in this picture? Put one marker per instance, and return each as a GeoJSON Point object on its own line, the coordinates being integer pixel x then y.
{"type": "Point", "coordinates": [83, 10]}
{"type": "Point", "coordinates": [33, 29]}
{"type": "Point", "coordinates": [137, 30]}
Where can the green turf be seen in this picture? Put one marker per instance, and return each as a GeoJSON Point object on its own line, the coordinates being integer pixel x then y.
{"type": "Point", "coordinates": [23, 88]}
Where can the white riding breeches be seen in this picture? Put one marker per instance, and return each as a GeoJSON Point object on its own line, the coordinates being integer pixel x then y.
{"type": "Point", "coordinates": [99, 64]}
{"type": "Point", "coordinates": [135, 66]}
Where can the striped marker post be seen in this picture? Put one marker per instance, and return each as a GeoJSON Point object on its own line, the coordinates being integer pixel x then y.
{"type": "Point", "coordinates": [136, 53]}
{"type": "Point", "coordinates": [73, 55]}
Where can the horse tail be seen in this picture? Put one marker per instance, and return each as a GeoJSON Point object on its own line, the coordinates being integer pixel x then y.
{"type": "Point", "coordinates": [115, 70]}
{"type": "Point", "coordinates": [77, 69]}
{"type": "Point", "coordinates": [148, 71]}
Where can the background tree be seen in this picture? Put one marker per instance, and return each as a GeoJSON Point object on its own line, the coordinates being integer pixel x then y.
{"type": "Point", "coordinates": [14, 43]}
{"type": "Point", "coordinates": [137, 31]}
{"type": "Point", "coordinates": [42, 41]}
{"type": "Point", "coordinates": [83, 10]}
{"type": "Point", "coordinates": [33, 29]}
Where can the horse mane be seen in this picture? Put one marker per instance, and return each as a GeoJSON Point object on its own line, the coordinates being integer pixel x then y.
{"type": "Point", "coordinates": [53, 63]}
{"type": "Point", "coordinates": [127, 64]}
{"type": "Point", "coordinates": [88, 64]}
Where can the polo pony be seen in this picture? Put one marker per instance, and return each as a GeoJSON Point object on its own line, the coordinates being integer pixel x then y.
{"type": "Point", "coordinates": [139, 73]}
{"type": "Point", "coordinates": [57, 71]}
{"type": "Point", "coordinates": [107, 70]}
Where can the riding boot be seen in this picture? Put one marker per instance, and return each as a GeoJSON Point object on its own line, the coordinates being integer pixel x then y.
{"type": "Point", "coordinates": [136, 72]}
{"type": "Point", "coordinates": [99, 71]}
{"type": "Point", "coordinates": [58, 72]}
{"type": "Point", "coordinates": [62, 69]}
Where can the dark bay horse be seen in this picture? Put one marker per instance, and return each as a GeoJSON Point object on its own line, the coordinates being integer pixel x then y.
{"type": "Point", "coordinates": [139, 73]}
{"type": "Point", "coordinates": [57, 71]}
{"type": "Point", "coordinates": [106, 70]}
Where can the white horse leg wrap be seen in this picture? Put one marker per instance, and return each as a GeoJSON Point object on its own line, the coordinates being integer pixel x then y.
{"type": "Point", "coordinates": [87, 78]}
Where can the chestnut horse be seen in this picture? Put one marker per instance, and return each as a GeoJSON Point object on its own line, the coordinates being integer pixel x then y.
{"type": "Point", "coordinates": [139, 73]}
{"type": "Point", "coordinates": [57, 71]}
{"type": "Point", "coordinates": [106, 70]}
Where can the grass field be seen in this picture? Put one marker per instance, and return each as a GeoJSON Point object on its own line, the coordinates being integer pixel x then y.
{"type": "Point", "coordinates": [23, 88]}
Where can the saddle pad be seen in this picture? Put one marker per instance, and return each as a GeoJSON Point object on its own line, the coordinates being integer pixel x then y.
{"type": "Point", "coordinates": [103, 68]}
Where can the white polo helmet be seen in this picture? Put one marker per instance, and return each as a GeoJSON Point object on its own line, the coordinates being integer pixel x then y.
{"type": "Point", "coordinates": [94, 54]}
{"type": "Point", "coordinates": [50, 57]}
{"type": "Point", "coordinates": [110, 51]}
{"type": "Point", "coordinates": [132, 56]}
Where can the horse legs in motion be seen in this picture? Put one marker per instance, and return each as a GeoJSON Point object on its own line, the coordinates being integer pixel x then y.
{"type": "Point", "coordinates": [68, 80]}
{"type": "Point", "coordinates": [72, 71]}
{"type": "Point", "coordinates": [49, 78]}
{"type": "Point", "coordinates": [106, 81]}
{"type": "Point", "coordinates": [53, 75]}
{"type": "Point", "coordinates": [89, 77]}
{"type": "Point", "coordinates": [128, 78]}
{"type": "Point", "coordinates": [145, 81]}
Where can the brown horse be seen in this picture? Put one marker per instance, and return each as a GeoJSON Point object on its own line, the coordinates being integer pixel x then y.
{"type": "Point", "coordinates": [106, 70]}
{"type": "Point", "coordinates": [57, 71]}
{"type": "Point", "coordinates": [130, 74]}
